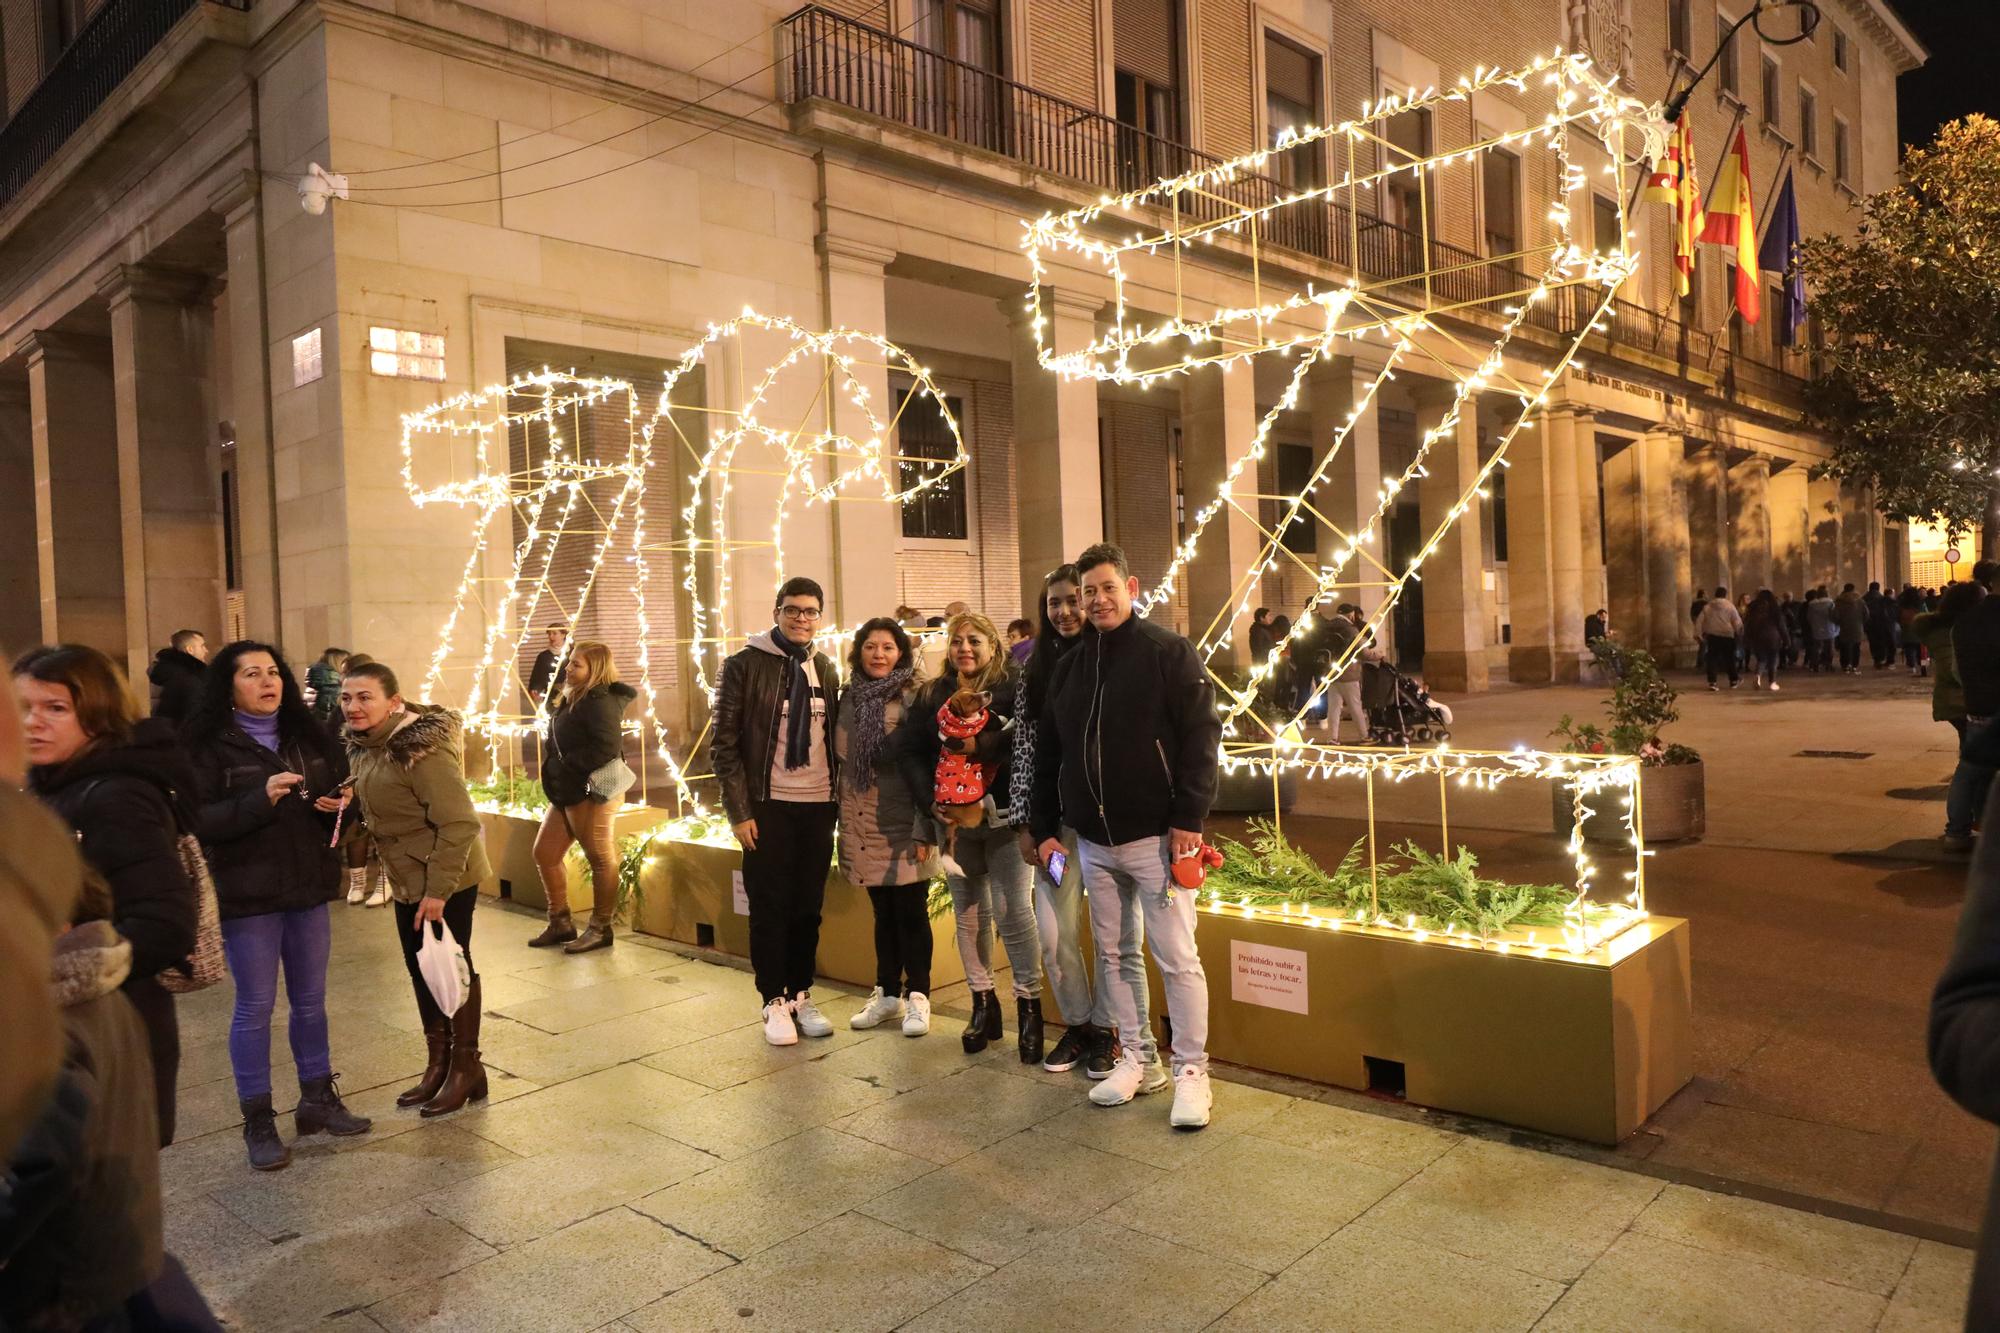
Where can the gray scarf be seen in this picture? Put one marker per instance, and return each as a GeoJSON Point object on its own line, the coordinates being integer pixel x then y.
{"type": "Point", "coordinates": [865, 740]}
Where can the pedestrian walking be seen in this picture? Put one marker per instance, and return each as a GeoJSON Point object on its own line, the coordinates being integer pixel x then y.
{"type": "Point", "coordinates": [176, 675]}
{"type": "Point", "coordinates": [1261, 641]}
{"type": "Point", "coordinates": [585, 778]}
{"type": "Point", "coordinates": [323, 686]}
{"type": "Point", "coordinates": [1081, 991]}
{"type": "Point", "coordinates": [1347, 626]}
{"type": "Point", "coordinates": [543, 673]}
{"type": "Point", "coordinates": [1931, 630]}
{"type": "Point", "coordinates": [879, 846]}
{"type": "Point", "coordinates": [1822, 629]}
{"type": "Point", "coordinates": [773, 753]}
{"type": "Point", "coordinates": [1975, 648]}
{"type": "Point", "coordinates": [1879, 625]}
{"type": "Point", "coordinates": [1720, 626]}
{"type": "Point", "coordinates": [1910, 604]}
{"type": "Point", "coordinates": [122, 783]}
{"type": "Point", "coordinates": [1851, 614]}
{"type": "Point", "coordinates": [269, 785]}
{"type": "Point", "coordinates": [407, 764]}
{"type": "Point", "coordinates": [1128, 754]}
{"type": "Point", "coordinates": [1764, 637]}
{"type": "Point", "coordinates": [990, 887]}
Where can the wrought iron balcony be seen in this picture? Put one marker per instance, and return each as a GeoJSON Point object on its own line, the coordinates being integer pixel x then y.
{"type": "Point", "coordinates": [117, 37]}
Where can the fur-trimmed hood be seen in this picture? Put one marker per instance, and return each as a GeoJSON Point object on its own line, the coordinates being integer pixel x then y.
{"type": "Point", "coordinates": [415, 734]}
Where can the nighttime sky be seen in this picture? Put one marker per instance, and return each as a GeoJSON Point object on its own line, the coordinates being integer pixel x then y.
{"type": "Point", "coordinates": [1960, 76]}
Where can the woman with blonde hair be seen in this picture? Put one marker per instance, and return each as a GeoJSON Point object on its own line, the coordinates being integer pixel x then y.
{"type": "Point", "coordinates": [585, 779]}
{"type": "Point", "coordinates": [989, 882]}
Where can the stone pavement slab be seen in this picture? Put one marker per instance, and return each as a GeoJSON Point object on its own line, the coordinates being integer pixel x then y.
{"type": "Point", "coordinates": [944, 1121]}
{"type": "Point", "coordinates": [1647, 1282]}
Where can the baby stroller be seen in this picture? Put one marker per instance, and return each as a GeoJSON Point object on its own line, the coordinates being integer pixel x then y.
{"type": "Point", "coordinates": [1400, 710]}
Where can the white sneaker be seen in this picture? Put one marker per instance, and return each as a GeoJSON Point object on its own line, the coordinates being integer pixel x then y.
{"type": "Point", "coordinates": [357, 888]}
{"type": "Point", "coordinates": [1193, 1098]}
{"type": "Point", "coordinates": [1128, 1079]}
{"type": "Point", "coordinates": [917, 1015]}
{"type": "Point", "coordinates": [879, 1010]}
{"type": "Point", "coordinates": [811, 1022]}
{"type": "Point", "coordinates": [381, 894]}
{"type": "Point", "coordinates": [1775, 687]}
{"type": "Point", "coordinates": [778, 1028]}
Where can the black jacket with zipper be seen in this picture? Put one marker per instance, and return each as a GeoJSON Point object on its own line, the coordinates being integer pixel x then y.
{"type": "Point", "coordinates": [584, 736]}
{"type": "Point", "coordinates": [1127, 743]}
{"type": "Point", "coordinates": [745, 735]}
{"type": "Point", "coordinates": [267, 858]}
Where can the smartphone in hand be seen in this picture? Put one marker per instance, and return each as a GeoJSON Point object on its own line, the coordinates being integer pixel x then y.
{"type": "Point", "coordinates": [1058, 866]}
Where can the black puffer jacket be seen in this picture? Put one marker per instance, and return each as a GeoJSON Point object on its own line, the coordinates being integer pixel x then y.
{"type": "Point", "coordinates": [745, 735]}
{"type": "Point", "coordinates": [1975, 638]}
{"type": "Point", "coordinates": [584, 736]}
{"type": "Point", "coordinates": [1128, 741]}
{"type": "Point", "coordinates": [267, 858]}
{"type": "Point", "coordinates": [128, 804]}
{"type": "Point", "coordinates": [917, 747]}
{"type": "Point", "coordinates": [177, 675]}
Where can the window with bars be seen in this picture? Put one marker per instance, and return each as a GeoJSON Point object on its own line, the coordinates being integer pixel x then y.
{"type": "Point", "coordinates": [924, 445]}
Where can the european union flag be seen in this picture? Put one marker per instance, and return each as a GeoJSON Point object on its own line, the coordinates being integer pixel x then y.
{"type": "Point", "coordinates": [1780, 254]}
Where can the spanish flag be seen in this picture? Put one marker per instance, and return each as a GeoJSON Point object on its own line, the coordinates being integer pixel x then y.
{"type": "Point", "coordinates": [1733, 222]}
{"type": "Point", "coordinates": [1675, 184]}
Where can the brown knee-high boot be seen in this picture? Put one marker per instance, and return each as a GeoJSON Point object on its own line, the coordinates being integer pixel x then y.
{"type": "Point", "coordinates": [466, 1080]}
{"type": "Point", "coordinates": [437, 1036]}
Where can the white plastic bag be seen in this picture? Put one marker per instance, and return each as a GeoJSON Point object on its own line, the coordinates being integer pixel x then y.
{"type": "Point", "coordinates": [441, 962]}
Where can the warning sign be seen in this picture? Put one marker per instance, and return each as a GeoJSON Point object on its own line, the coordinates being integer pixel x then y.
{"type": "Point", "coordinates": [1261, 974]}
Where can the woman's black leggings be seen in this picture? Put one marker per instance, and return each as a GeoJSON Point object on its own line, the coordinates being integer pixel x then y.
{"type": "Point", "coordinates": [902, 937]}
{"type": "Point", "coordinates": [457, 919]}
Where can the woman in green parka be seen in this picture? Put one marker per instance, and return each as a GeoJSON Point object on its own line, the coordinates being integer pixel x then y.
{"type": "Point", "coordinates": [1933, 630]}
{"type": "Point", "coordinates": [408, 778]}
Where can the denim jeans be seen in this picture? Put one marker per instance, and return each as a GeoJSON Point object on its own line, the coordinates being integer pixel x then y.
{"type": "Point", "coordinates": [1057, 907]}
{"type": "Point", "coordinates": [254, 946]}
{"type": "Point", "coordinates": [1138, 872]}
{"type": "Point", "coordinates": [989, 888]}
{"type": "Point", "coordinates": [1966, 797]}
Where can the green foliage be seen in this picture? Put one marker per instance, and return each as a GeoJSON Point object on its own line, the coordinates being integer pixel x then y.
{"type": "Point", "coordinates": [1270, 872]}
{"type": "Point", "coordinates": [510, 789]}
{"type": "Point", "coordinates": [1909, 386]}
{"type": "Point", "coordinates": [1642, 703]}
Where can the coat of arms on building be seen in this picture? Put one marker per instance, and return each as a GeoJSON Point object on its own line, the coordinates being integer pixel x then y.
{"type": "Point", "coordinates": [1604, 29]}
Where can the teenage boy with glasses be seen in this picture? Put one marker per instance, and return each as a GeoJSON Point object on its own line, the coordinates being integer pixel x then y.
{"type": "Point", "coordinates": [773, 753]}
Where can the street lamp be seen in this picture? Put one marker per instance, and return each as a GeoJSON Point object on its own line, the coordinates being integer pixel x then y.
{"type": "Point", "coordinates": [1808, 19]}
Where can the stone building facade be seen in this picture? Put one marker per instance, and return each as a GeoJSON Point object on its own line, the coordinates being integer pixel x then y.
{"type": "Point", "coordinates": [195, 431]}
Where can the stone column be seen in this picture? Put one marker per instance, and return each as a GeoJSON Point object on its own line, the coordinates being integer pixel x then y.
{"type": "Point", "coordinates": [1453, 586]}
{"type": "Point", "coordinates": [238, 201]}
{"type": "Point", "coordinates": [1352, 488]}
{"type": "Point", "coordinates": [1058, 474]}
{"type": "Point", "coordinates": [1567, 433]}
{"type": "Point", "coordinates": [1532, 516]}
{"type": "Point", "coordinates": [1706, 480]}
{"type": "Point", "coordinates": [1823, 507]}
{"type": "Point", "coordinates": [79, 544]}
{"type": "Point", "coordinates": [20, 568]}
{"type": "Point", "coordinates": [864, 535]}
{"type": "Point", "coordinates": [1645, 520]}
{"type": "Point", "coordinates": [1218, 425]}
{"type": "Point", "coordinates": [170, 510]}
{"type": "Point", "coordinates": [1860, 536]}
{"type": "Point", "coordinates": [1750, 527]}
{"type": "Point", "coordinates": [1590, 517]}
{"type": "Point", "coordinates": [1790, 527]}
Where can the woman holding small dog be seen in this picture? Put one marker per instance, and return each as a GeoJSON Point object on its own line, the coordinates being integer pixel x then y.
{"type": "Point", "coordinates": [958, 747]}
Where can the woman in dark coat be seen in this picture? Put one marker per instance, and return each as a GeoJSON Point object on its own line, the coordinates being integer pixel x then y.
{"type": "Point", "coordinates": [1764, 637]}
{"type": "Point", "coordinates": [124, 786]}
{"type": "Point", "coordinates": [267, 778]}
{"type": "Point", "coordinates": [586, 732]}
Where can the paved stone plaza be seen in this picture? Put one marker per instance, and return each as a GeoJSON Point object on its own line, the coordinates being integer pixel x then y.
{"type": "Point", "coordinates": [647, 1162]}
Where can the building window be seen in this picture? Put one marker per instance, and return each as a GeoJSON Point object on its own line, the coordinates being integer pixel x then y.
{"type": "Point", "coordinates": [1291, 102]}
{"type": "Point", "coordinates": [1840, 56]}
{"type": "Point", "coordinates": [1603, 223]}
{"type": "Point", "coordinates": [1840, 162]}
{"type": "Point", "coordinates": [924, 444]}
{"type": "Point", "coordinates": [1772, 91]}
{"type": "Point", "coordinates": [1680, 26]}
{"type": "Point", "coordinates": [961, 93]}
{"type": "Point", "coordinates": [1808, 122]}
{"type": "Point", "coordinates": [61, 21]}
{"type": "Point", "coordinates": [1146, 84]}
{"type": "Point", "coordinates": [1725, 67]}
{"type": "Point", "coordinates": [307, 364]}
{"type": "Point", "coordinates": [1500, 183]}
{"type": "Point", "coordinates": [1295, 470]}
{"type": "Point", "coordinates": [406, 354]}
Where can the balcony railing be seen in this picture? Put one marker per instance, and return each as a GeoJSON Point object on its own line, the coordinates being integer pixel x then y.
{"type": "Point", "coordinates": [111, 45]}
{"type": "Point", "coordinates": [838, 59]}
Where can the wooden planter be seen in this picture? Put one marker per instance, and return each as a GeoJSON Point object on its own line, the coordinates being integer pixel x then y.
{"type": "Point", "coordinates": [1673, 798]}
{"type": "Point", "coordinates": [510, 848]}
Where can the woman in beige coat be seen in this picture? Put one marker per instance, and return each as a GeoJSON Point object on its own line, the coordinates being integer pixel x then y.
{"type": "Point", "coordinates": [408, 776]}
{"type": "Point", "coordinates": [879, 849]}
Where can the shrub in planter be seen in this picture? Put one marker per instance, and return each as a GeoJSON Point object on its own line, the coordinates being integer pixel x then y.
{"type": "Point", "coordinates": [1641, 705]}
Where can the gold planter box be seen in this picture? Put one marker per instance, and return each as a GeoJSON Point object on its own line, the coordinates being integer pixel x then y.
{"type": "Point", "coordinates": [510, 849]}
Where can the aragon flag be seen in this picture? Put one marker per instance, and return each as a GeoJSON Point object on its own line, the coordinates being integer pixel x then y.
{"type": "Point", "coordinates": [1675, 184]}
{"type": "Point", "coordinates": [1732, 221]}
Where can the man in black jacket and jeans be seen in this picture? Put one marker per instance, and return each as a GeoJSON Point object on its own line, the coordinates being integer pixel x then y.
{"type": "Point", "coordinates": [1975, 642]}
{"type": "Point", "coordinates": [773, 752]}
{"type": "Point", "coordinates": [1126, 754]}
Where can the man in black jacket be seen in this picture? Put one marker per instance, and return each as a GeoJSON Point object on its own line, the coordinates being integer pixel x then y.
{"type": "Point", "coordinates": [176, 673]}
{"type": "Point", "coordinates": [773, 753]}
{"type": "Point", "coordinates": [543, 673]}
{"type": "Point", "coordinates": [1975, 643]}
{"type": "Point", "coordinates": [1126, 753]}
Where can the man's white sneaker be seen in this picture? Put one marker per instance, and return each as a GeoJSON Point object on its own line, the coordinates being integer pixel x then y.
{"type": "Point", "coordinates": [879, 1010]}
{"type": "Point", "coordinates": [1128, 1079]}
{"type": "Point", "coordinates": [811, 1022]}
{"type": "Point", "coordinates": [917, 1014]}
{"type": "Point", "coordinates": [778, 1027]}
{"type": "Point", "coordinates": [1193, 1098]}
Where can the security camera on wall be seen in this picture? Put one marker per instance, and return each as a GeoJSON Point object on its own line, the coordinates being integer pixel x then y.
{"type": "Point", "coordinates": [319, 185]}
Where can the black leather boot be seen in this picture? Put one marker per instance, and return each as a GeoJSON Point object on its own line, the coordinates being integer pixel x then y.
{"type": "Point", "coordinates": [260, 1135]}
{"type": "Point", "coordinates": [979, 1030]}
{"type": "Point", "coordinates": [1030, 1023]}
{"type": "Point", "coordinates": [320, 1108]}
